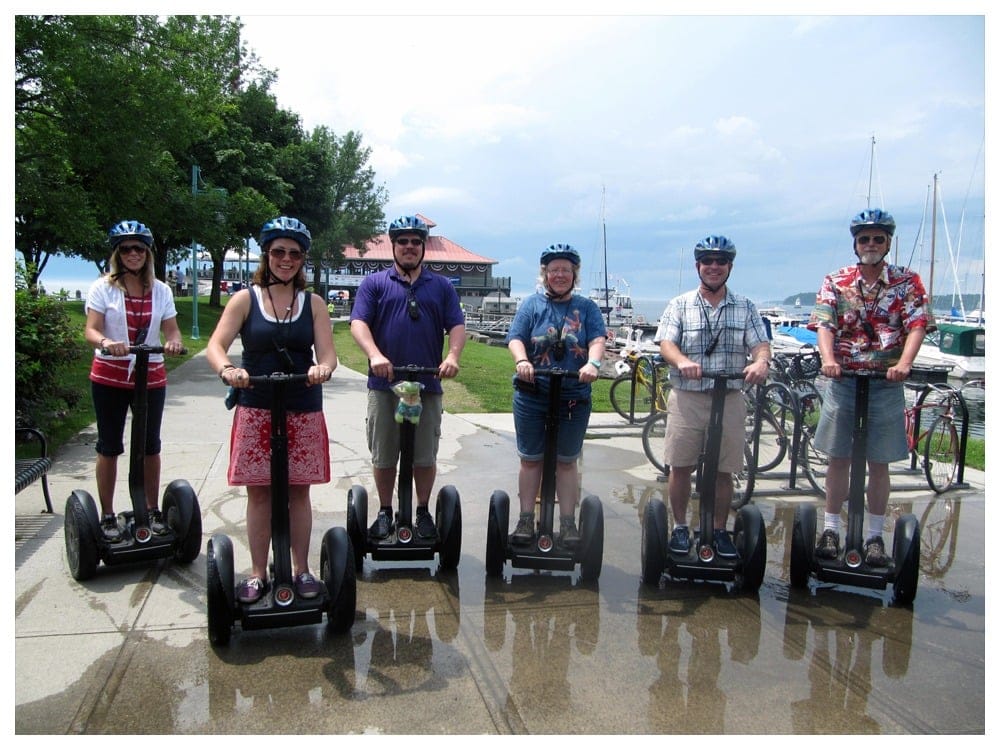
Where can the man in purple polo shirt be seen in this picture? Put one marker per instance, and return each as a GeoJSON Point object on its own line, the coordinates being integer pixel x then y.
{"type": "Point", "coordinates": [401, 316]}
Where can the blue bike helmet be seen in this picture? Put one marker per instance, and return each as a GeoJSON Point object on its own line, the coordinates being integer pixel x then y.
{"type": "Point", "coordinates": [873, 218]}
{"type": "Point", "coordinates": [130, 229]}
{"type": "Point", "coordinates": [560, 251]}
{"type": "Point", "coordinates": [715, 245]}
{"type": "Point", "coordinates": [408, 225]}
{"type": "Point", "coordinates": [285, 226]}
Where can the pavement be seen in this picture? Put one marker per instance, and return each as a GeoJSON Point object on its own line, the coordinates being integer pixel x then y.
{"type": "Point", "coordinates": [431, 652]}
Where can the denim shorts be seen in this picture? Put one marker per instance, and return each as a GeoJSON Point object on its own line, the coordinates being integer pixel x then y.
{"type": "Point", "coordinates": [383, 429]}
{"type": "Point", "coordinates": [530, 411]}
{"type": "Point", "coordinates": [886, 420]}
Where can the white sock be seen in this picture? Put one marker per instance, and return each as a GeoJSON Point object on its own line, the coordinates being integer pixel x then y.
{"type": "Point", "coordinates": [831, 522]}
{"type": "Point", "coordinates": [875, 525]}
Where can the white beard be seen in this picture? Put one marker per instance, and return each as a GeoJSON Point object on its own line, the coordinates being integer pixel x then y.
{"type": "Point", "coordinates": [871, 258]}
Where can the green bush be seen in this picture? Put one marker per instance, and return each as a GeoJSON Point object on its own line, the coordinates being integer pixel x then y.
{"type": "Point", "coordinates": [45, 343]}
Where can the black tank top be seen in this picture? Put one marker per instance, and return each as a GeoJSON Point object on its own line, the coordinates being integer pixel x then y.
{"type": "Point", "coordinates": [273, 346]}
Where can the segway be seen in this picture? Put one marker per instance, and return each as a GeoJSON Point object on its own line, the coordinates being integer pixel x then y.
{"type": "Point", "coordinates": [545, 551]}
{"type": "Point", "coordinates": [86, 544]}
{"type": "Point", "coordinates": [279, 606]}
{"type": "Point", "coordinates": [403, 544]}
{"type": "Point", "coordinates": [701, 563]}
{"type": "Point", "coordinates": [849, 567]}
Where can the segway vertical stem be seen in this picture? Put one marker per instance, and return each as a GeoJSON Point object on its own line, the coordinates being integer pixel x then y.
{"type": "Point", "coordinates": [546, 518]}
{"type": "Point", "coordinates": [137, 450]}
{"type": "Point", "coordinates": [854, 539]}
{"type": "Point", "coordinates": [280, 523]}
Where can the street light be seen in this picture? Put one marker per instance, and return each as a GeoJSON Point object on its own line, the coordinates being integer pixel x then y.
{"type": "Point", "coordinates": [195, 177]}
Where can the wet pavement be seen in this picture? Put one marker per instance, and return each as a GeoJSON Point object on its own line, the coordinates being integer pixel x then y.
{"type": "Point", "coordinates": [434, 652]}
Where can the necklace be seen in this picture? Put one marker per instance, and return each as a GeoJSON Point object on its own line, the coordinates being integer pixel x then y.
{"type": "Point", "coordinates": [274, 308]}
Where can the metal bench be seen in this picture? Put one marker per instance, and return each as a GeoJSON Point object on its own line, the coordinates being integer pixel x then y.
{"type": "Point", "coordinates": [27, 471]}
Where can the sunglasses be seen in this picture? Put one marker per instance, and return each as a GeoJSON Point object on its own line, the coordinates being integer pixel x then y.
{"type": "Point", "coordinates": [129, 249]}
{"type": "Point", "coordinates": [714, 260]}
{"type": "Point", "coordinates": [866, 239]}
{"type": "Point", "coordinates": [280, 252]}
{"type": "Point", "coordinates": [412, 308]}
{"type": "Point", "coordinates": [404, 241]}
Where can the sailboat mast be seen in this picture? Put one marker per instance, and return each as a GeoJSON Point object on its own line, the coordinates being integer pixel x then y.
{"type": "Point", "coordinates": [871, 170]}
{"type": "Point", "coordinates": [930, 279]}
{"type": "Point", "coordinates": [607, 290]}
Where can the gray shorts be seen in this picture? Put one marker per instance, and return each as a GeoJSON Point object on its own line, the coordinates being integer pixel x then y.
{"type": "Point", "coordinates": [886, 421]}
{"type": "Point", "coordinates": [383, 430]}
{"type": "Point", "coordinates": [687, 427]}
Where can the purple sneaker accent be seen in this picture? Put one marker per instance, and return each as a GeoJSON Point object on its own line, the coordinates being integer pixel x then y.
{"type": "Point", "coordinates": [306, 586]}
{"type": "Point", "coordinates": [251, 590]}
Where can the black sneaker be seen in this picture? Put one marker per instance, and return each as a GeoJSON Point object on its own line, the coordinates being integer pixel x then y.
{"type": "Point", "coordinates": [724, 544]}
{"type": "Point", "coordinates": [383, 524]}
{"type": "Point", "coordinates": [109, 527]}
{"type": "Point", "coordinates": [569, 535]}
{"type": "Point", "coordinates": [875, 556]}
{"type": "Point", "coordinates": [525, 530]}
{"type": "Point", "coordinates": [156, 523]}
{"type": "Point", "coordinates": [680, 540]}
{"type": "Point", "coordinates": [425, 524]}
{"type": "Point", "coordinates": [829, 545]}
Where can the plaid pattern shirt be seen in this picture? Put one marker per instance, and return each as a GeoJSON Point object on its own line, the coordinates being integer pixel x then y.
{"type": "Point", "coordinates": [734, 327]}
{"type": "Point", "coordinates": [870, 325]}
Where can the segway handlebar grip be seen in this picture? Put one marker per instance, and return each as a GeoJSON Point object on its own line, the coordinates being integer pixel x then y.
{"type": "Point", "coordinates": [870, 374]}
{"type": "Point", "coordinates": [402, 370]}
{"type": "Point", "coordinates": [136, 348]}
{"type": "Point", "coordinates": [275, 377]}
{"type": "Point", "coordinates": [737, 375]}
{"type": "Point", "coordinates": [550, 371]}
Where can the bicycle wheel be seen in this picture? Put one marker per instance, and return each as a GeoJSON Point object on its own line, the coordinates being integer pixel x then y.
{"type": "Point", "coordinates": [776, 424]}
{"type": "Point", "coordinates": [941, 454]}
{"type": "Point", "coordinates": [621, 399]}
{"type": "Point", "coordinates": [653, 434]}
{"type": "Point", "coordinates": [813, 463]}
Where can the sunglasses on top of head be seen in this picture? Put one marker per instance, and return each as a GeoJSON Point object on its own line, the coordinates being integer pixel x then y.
{"type": "Point", "coordinates": [280, 253]}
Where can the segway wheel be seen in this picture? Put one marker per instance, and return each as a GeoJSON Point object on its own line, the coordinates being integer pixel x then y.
{"type": "Point", "coordinates": [751, 541]}
{"type": "Point", "coordinates": [448, 519]}
{"type": "Point", "coordinates": [654, 539]}
{"type": "Point", "coordinates": [183, 515]}
{"type": "Point", "coordinates": [357, 523]}
{"type": "Point", "coordinates": [906, 558]}
{"type": "Point", "coordinates": [336, 566]}
{"type": "Point", "coordinates": [591, 554]}
{"type": "Point", "coordinates": [497, 526]}
{"type": "Point", "coordinates": [803, 545]}
{"type": "Point", "coordinates": [81, 528]}
{"type": "Point", "coordinates": [221, 589]}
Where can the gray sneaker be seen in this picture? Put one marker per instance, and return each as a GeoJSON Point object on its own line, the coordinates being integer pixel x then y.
{"type": "Point", "coordinates": [680, 540]}
{"type": "Point", "coordinates": [425, 524]}
{"type": "Point", "coordinates": [525, 530]}
{"type": "Point", "coordinates": [569, 536]}
{"type": "Point", "coordinates": [109, 527]}
{"type": "Point", "coordinates": [829, 545]}
{"type": "Point", "coordinates": [875, 555]}
{"type": "Point", "coordinates": [156, 523]}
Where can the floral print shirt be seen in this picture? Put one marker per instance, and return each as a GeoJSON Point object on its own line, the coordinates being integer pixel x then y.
{"type": "Point", "coordinates": [870, 323]}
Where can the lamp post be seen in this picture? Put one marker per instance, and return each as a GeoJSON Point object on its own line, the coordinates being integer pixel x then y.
{"type": "Point", "coordinates": [194, 263]}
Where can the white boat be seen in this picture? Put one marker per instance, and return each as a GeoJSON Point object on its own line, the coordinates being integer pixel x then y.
{"type": "Point", "coordinates": [615, 303]}
{"type": "Point", "coordinates": [788, 332]}
{"type": "Point", "coordinates": [961, 346]}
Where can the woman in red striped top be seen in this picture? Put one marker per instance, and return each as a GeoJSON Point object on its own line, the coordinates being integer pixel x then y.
{"type": "Point", "coordinates": [125, 307]}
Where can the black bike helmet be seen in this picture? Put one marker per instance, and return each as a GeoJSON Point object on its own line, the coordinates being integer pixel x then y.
{"type": "Point", "coordinates": [408, 225]}
{"type": "Point", "coordinates": [873, 218]}
{"type": "Point", "coordinates": [130, 229]}
{"type": "Point", "coordinates": [285, 226]}
{"type": "Point", "coordinates": [715, 245]}
{"type": "Point", "coordinates": [560, 251]}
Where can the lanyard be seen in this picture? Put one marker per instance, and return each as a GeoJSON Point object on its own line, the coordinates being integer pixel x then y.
{"type": "Point", "coordinates": [870, 309]}
{"type": "Point", "coordinates": [708, 324]}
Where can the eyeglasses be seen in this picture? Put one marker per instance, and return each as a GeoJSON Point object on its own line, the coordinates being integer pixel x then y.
{"type": "Point", "coordinates": [404, 241]}
{"type": "Point", "coordinates": [558, 271]}
{"type": "Point", "coordinates": [412, 307]}
{"type": "Point", "coordinates": [129, 249]}
{"type": "Point", "coordinates": [280, 252]}
{"type": "Point", "coordinates": [714, 260]}
{"type": "Point", "coordinates": [866, 239]}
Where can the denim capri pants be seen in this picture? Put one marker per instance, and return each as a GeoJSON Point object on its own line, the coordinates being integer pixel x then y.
{"type": "Point", "coordinates": [530, 413]}
{"type": "Point", "coordinates": [886, 420]}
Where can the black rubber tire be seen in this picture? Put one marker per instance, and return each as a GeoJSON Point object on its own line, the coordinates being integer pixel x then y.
{"type": "Point", "coordinates": [776, 424]}
{"type": "Point", "coordinates": [591, 554]}
{"type": "Point", "coordinates": [79, 524]}
{"type": "Point", "coordinates": [653, 434]}
{"type": "Point", "coordinates": [448, 518]}
{"type": "Point", "coordinates": [654, 542]}
{"type": "Point", "coordinates": [497, 526]}
{"type": "Point", "coordinates": [906, 559]}
{"type": "Point", "coordinates": [220, 589]}
{"type": "Point", "coordinates": [941, 449]}
{"type": "Point", "coordinates": [803, 550]}
{"type": "Point", "coordinates": [620, 394]}
{"type": "Point", "coordinates": [336, 566]}
{"type": "Point", "coordinates": [183, 515]}
{"type": "Point", "coordinates": [357, 523]}
{"type": "Point", "coordinates": [750, 537]}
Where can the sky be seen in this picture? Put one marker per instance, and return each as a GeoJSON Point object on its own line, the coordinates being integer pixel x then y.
{"type": "Point", "coordinates": [525, 127]}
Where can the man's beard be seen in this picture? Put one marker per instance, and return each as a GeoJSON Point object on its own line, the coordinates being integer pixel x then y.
{"type": "Point", "coordinates": [871, 258]}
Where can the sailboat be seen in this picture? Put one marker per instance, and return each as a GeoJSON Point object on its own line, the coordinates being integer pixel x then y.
{"type": "Point", "coordinates": [613, 299]}
{"type": "Point", "coordinates": [957, 344]}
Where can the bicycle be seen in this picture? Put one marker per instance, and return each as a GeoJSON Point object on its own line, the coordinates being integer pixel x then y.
{"type": "Point", "coordinates": [641, 388]}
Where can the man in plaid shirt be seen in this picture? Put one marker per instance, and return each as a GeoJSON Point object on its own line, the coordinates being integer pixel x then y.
{"type": "Point", "coordinates": [709, 329]}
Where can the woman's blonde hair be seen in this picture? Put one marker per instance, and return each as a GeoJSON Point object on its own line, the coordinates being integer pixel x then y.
{"type": "Point", "coordinates": [116, 270]}
{"type": "Point", "coordinates": [543, 279]}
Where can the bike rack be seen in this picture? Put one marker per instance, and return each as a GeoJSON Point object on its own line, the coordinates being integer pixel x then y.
{"type": "Point", "coordinates": [959, 483]}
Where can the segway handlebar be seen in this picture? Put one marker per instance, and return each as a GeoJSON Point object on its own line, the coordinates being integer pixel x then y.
{"type": "Point", "coordinates": [279, 377]}
{"type": "Point", "coordinates": [713, 375]}
{"type": "Point", "coordinates": [158, 349]}
{"type": "Point", "coordinates": [550, 371]}
{"type": "Point", "coordinates": [402, 370]}
{"type": "Point", "coordinates": [870, 374]}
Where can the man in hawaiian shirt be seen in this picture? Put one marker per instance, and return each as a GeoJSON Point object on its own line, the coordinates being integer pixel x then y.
{"type": "Point", "coordinates": [869, 316]}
